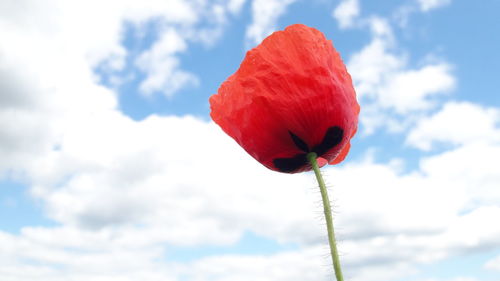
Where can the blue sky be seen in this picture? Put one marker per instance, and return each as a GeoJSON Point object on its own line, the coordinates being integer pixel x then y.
{"type": "Point", "coordinates": [111, 168]}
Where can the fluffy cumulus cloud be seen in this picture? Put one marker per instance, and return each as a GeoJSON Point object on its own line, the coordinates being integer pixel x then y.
{"type": "Point", "coordinates": [129, 197]}
{"type": "Point", "coordinates": [306, 266]}
{"type": "Point", "coordinates": [426, 234]}
{"type": "Point", "coordinates": [493, 264]}
{"type": "Point", "coordinates": [162, 66]}
{"type": "Point", "coordinates": [388, 87]}
{"type": "Point", "coordinates": [393, 93]}
{"type": "Point", "coordinates": [49, 52]}
{"type": "Point", "coordinates": [125, 194]}
{"type": "Point", "coordinates": [235, 6]}
{"type": "Point", "coordinates": [161, 63]}
{"type": "Point", "coordinates": [98, 43]}
{"type": "Point", "coordinates": [161, 190]}
{"type": "Point", "coordinates": [411, 90]}
{"type": "Point", "coordinates": [346, 12]}
{"type": "Point", "coordinates": [34, 58]}
{"type": "Point", "coordinates": [265, 14]}
{"type": "Point", "coordinates": [457, 123]}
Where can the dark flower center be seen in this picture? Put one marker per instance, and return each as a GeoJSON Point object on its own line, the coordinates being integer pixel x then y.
{"type": "Point", "coordinates": [333, 136]}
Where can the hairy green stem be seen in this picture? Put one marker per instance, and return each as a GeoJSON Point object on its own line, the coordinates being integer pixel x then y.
{"type": "Point", "coordinates": [328, 216]}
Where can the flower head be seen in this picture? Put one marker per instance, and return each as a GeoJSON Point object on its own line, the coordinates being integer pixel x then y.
{"type": "Point", "coordinates": [291, 96]}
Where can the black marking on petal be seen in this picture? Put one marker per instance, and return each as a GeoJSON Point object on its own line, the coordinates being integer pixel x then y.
{"type": "Point", "coordinates": [332, 137]}
{"type": "Point", "coordinates": [299, 142]}
{"type": "Point", "coordinates": [288, 165]}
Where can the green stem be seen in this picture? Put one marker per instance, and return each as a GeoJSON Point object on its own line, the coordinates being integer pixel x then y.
{"type": "Point", "coordinates": [328, 216]}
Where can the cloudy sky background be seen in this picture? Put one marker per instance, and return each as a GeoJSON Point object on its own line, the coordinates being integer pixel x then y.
{"type": "Point", "coordinates": [110, 168]}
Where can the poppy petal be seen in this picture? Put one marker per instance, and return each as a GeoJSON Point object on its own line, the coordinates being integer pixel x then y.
{"type": "Point", "coordinates": [342, 154]}
{"type": "Point", "coordinates": [321, 161]}
{"type": "Point", "coordinates": [284, 100]}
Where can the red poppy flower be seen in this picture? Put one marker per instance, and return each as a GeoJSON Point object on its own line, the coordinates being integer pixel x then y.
{"type": "Point", "coordinates": [291, 95]}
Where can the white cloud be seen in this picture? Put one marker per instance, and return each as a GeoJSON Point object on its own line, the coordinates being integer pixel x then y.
{"type": "Point", "coordinates": [36, 101]}
{"type": "Point", "coordinates": [162, 188]}
{"type": "Point", "coordinates": [48, 52]}
{"type": "Point", "coordinates": [287, 266]}
{"type": "Point", "coordinates": [475, 165]}
{"type": "Point", "coordinates": [475, 133]}
{"type": "Point", "coordinates": [27, 258]}
{"type": "Point", "coordinates": [410, 90]}
{"type": "Point", "coordinates": [370, 66]}
{"type": "Point", "coordinates": [457, 123]}
{"type": "Point", "coordinates": [388, 88]}
{"type": "Point", "coordinates": [162, 66]}
{"type": "Point", "coordinates": [493, 264]}
{"type": "Point", "coordinates": [426, 5]}
{"type": "Point", "coordinates": [346, 12]}
{"type": "Point", "coordinates": [403, 13]}
{"type": "Point", "coordinates": [128, 188]}
{"type": "Point", "coordinates": [235, 6]}
{"type": "Point", "coordinates": [125, 204]}
{"type": "Point", "coordinates": [265, 14]}
{"type": "Point", "coordinates": [130, 197]}
{"type": "Point", "coordinates": [46, 58]}
{"type": "Point", "coordinates": [161, 62]}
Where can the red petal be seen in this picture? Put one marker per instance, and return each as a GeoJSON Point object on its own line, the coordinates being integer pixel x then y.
{"type": "Point", "coordinates": [322, 161]}
{"type": "Point", "coordinates": [294, 82]}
